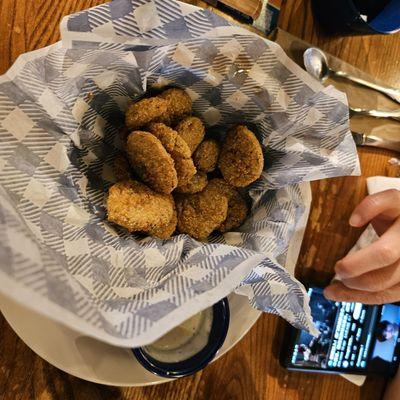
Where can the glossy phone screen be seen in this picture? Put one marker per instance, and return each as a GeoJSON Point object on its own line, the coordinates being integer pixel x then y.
{"type": "Point", "coordinates": [354, 338]}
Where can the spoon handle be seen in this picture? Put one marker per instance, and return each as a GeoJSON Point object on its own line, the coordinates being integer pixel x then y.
{"type": "Point", "coordinates": [391, 92]}
{"type": "Point", "coordinates": [384, 141]}
{"type": "Point", "coordinates": [393, 114]}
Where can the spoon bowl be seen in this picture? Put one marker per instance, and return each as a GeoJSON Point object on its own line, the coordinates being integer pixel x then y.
{"type": "Point", "coordinates": [316, 63]}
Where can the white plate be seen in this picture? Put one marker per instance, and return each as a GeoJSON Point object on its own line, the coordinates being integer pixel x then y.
{"type": "Point", "coordinates": [99, 362]}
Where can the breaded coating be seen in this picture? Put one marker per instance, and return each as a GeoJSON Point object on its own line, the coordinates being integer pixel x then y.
{"type": "Point", "coordinates": [185, 170]}
{"type": "Point", "coordinates": [177, 148]}
{"type": "Point", "coordinates": [181, 148]}
{"type": "Point", "coordinates": [205, 157]}
{"type": "Point", "coordinates": [237, 212]}
{"type": "Point", "coordinates": [170, 139]}
{"type": "Point", "coordinates": [165, 231]}
{"type": "Point", "coordinates": [151, 162]}
{"type": "Point", "coordinates": [241, 160]}
{"type": "Point", "coordinates": [145, 111]}
{"type": "Point", "coordinates": [221, 186]}
{"type": "Point", "coordinates": [136, 207]}
{"type": "Point", "coordinates": [196, 184]}
{"type": "Point", "coordinates": [191, 129]}
{"type": "Point", "coordinates": [165, 134]}
{"type": "Point", "coordinates": [201, 213]}
{"type": "Point", "coordinates": [121, 168]}
{"type": "Point", "coordinates": [237, 206]}
{"type": "Point", "coordinates": [179, 105]}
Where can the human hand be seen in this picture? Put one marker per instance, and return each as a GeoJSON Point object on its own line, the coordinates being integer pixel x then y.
{"type": "Point", "coordinates": [372, 275]}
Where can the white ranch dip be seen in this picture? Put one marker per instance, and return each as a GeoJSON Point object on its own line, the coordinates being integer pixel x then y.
{"type": "Point", "coordinates": [184, 341]}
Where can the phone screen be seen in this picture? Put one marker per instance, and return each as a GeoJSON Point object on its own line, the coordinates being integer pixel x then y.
{"type": "Point", "coordinates": [354, 338]}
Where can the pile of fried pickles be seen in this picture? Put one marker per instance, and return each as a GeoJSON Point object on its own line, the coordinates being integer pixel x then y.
{"type": "Point", "coordinates": [173, 179]}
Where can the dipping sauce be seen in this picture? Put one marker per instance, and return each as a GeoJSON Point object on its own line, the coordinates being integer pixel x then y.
{"type": "Point", "coordinates": [184, 341]}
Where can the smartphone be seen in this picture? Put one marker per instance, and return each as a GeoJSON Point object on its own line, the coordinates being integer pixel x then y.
{"type": "Point", "coordinates": [354, 339]}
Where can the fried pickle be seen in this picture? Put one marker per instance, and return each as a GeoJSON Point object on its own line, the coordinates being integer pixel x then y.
{"type": "Point", "coordinates": [237, 212]}
{"type": "Point", "coordinates": [177, 148]}
{"type": "Point", "coordinates": [201, 213]}
{"type": "Point", "coordinates": [196, 184]}
{"type": "Point", "coordinates": [185, 170]}
{"type": "Point", "coordinates": [165, 231]}
{"type": "Point", "coordinates": [237, 206]}
{"type": "Point", "coordinates": [241, 160]}
{"type": "Point", "coordinates": [145, 111]}
{"type": "Point", "coordinates": [179, 105]}
{"type": "Point", "coordinates": [181, 148]}
{"type": "Point", "coordinates": [205, 157]}
{"type": "Point", "coordinates": [165, 134]}
{"type": "Point", "coordinates": [151, 162]}
{"type": "Point", "coordinates": [136, 207]}
{"type": "Point", "coordinates": [191, 129]}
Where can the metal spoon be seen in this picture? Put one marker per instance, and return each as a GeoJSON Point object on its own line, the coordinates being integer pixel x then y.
{"type": "Point", "coordinates": [395, 114]}
{"type": "Point", "coordinates": [316, 64]}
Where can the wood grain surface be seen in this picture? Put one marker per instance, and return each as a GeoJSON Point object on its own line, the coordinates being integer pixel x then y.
{"type": "Point", "coordinates": [251, 370]}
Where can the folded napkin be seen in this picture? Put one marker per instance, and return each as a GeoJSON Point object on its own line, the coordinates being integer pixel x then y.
{"type": "Point", "coordinates": [375, 184]}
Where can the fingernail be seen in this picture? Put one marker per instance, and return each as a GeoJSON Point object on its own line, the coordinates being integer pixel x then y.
{"type": "Point", "coordinates": [355, 220]}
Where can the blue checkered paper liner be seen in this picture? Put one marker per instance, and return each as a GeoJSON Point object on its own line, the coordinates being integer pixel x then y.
{"type": "Point", "coordinates": [60, 111]}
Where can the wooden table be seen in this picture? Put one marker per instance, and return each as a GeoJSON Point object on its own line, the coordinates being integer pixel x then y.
{"type": "Point", "coordinates": [251, 370]}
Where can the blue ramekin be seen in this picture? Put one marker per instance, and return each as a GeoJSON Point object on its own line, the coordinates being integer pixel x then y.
{"type": "Point", "coordinates": [219, 330]}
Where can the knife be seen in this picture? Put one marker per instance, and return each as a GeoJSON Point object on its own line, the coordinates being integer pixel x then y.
{"type": "Point", "coordinates": [385, 140]}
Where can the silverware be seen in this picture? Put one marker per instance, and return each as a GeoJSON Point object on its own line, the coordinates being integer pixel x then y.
{"type": "Point", "coordinates": [394, 114]}
{"type": "Point", "coordinates": [316, 64]}
{"type": "Point", "coordinates": [384, 140]}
